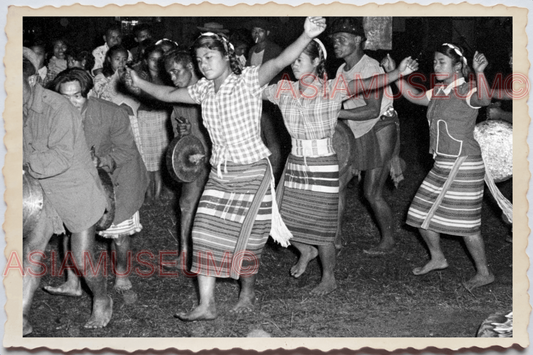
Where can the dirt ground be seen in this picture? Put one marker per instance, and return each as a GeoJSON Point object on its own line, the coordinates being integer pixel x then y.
{"type": "Point", "coordinates": [376, 296]}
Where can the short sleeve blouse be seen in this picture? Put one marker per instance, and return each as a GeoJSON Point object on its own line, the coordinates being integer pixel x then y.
{"type": "Point", "coordinates": [233, 117]}
{"type": "Point", "coordinates": [311, 114]}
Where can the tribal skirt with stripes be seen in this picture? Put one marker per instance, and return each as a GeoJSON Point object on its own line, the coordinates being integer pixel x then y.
{"type": "Point", "coordinates": [453, 209]}
{"type": "Point", "coordinates": [308, 197]}
{"type": "Point", "coordinates": [220, 218]}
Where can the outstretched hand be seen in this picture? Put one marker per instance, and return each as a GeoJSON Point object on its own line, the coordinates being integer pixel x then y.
{"type": "Point", "coordinates": [408, 66]}
{"type": "Point", "coordinates": [130, 79]}
{"type": "Point", "coordinates": [388, 63]}
{"type": "Point", "coordinates": [314, 26]}
{"type": "Point", "coordinates": [480, 62]}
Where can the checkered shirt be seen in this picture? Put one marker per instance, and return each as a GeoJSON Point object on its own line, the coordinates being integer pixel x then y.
{"type": "Point", "coordinates": [309, 115]}
{"type": "Point", "coordinates": [232, 117]}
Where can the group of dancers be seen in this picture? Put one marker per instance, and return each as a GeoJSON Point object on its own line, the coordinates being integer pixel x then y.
{"type": "Point", "coordinates": [239, 207]}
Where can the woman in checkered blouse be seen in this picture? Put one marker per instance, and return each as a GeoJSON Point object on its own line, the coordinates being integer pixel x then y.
{"type": "Point", "coordinates": [308, 193]}
{"type": "Point", "coordinates": [236, 212]}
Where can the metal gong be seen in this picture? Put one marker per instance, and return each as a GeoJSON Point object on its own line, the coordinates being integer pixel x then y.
{"type": "Point", "coordinates": [185, 158]}
{"type": "Point", "coordinates": [32, 202]}
{"type": "Point", "coordinates": [344, 145]}
{"type": "Point", "coordinates": [495, 137]}
{"type": "Point", "coordinates": [109, 214]}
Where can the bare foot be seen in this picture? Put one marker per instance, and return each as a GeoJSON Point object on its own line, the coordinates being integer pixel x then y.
{"type": "Point", "coordinates": [338, 242]}
{"type": "Point", "coordinates": [199, 313]}
{"type": "Point", "coordinates": [72, 289]}
{"type": "Point", "coordinates": [245, 304]}
{"type": "Point", "coordinates": [102, 312]}
{"type": "Point", "coordinates": [430, 266]}
{"type": "Point", "coordinates": [324, 287]}
{"type": "Point", "coordinates": [478, 281]}
{"type": "Point", "coordinates": [26, 326]}
{"type": "Point", "coordinates": [122, 284]}
{"type": "Point", "coordinates": [299, 268]}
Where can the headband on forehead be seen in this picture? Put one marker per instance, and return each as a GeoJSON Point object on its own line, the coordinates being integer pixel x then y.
{"type": "Point", "coordinates": [457, 51]}
{"type": "Point", "coordinates": [227, 44]}
{"type": "Point", "coordinates": [322, 48]}
{"type": "Point", "coordinates": [166, 40]}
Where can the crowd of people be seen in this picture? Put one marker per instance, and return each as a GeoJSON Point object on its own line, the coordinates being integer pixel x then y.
{"type": "Point", "coordinates": [109, 109]}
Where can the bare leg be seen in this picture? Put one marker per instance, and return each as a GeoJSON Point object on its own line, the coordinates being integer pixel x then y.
{"type": "Point", "coordinates": [247, 295]}
{"type": "Point", "coordinates": [150, 190]}
{"type": "Point", "coordinates": [158, 184]}
{"type": "Point", "coordinates": [34, 243]}
{"type": "Point", "coordinates": [373, 189]}
{"type": "Point", "coordinates": [438, 261]}
{"type": "Point", "coordinates": [307, 253]}
{"type": "Point", "coordinates": [121, 245]}
{"type": "Point", "coordinates": [328, 283]}
{"type": "Point", "coordinates": [476, 247]}
{"type": "Point", "coordinates": [190, 196]}
{"type": "Point", "coordinates": [206, 310]}
{"type": "Point", "coordinates": [82, 244]}
{"type": "Point", "coordinates": [72, 287]}
{"type": "Point", "coordinates": [344, 179]}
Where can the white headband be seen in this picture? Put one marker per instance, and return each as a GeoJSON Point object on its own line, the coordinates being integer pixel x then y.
{"type": "Point", "coordinates": [166, 40]}
{"type": "Point", "coordinates": [457, 51]}
{"type": "Point", "coordinates": [223, 39]}
{"type": "Point", "coordinates": [322, 48]}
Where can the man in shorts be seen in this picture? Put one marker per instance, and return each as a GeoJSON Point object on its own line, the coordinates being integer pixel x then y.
{"type": "Point", "coordinates": [374, 123]}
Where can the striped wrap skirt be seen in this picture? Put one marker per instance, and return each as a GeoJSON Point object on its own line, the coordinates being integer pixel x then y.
{"type": "Point", "coordinates": [449, 200]}
{"type": "Point", "coordinates": [233, 221]}
{"type": "Point", "coordinates": [126, 228]}
{"type": "Point", "coordinates": [154, 137]}
{"type": "Point", "coordinates": [308, 198]}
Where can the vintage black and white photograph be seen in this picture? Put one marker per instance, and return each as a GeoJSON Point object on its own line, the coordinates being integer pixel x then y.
{"type": "Point", "coordinates": [268, 177]}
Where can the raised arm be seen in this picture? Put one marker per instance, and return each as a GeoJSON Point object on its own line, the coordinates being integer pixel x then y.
{"type": "Point", "coordinates": [483, 96]}
{"type": "Point", "coordinates": [160, 92]}
{"type": "Point", "coordinates": [407, 90]}
{"type": "Point", "coordinates": [313, 27]}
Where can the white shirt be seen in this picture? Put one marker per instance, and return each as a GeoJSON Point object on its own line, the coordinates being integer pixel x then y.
{"type": "Point", "coordinates": [365, 68]}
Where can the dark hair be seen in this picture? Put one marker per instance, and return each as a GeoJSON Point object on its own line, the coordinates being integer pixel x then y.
{"type": "Point", "coordinates": [113, 28]}
{"type": "Point", "coordinates": [50, 51]}
{"type": "Point", "coordinates": [73, 74]}
{"type": "Point", "coordinates": [313, 51]}
{"type": "Point", "coordinates": [146, 53]}
{"type": "Point", "coordinates": [28, 69]}
{"type": "Point", "coordinates": [456, 53]}
{"type": "Point", "coordinates": [80, 56]}
{"type": "Point", "coordinates": [59, 39]}
{"type": "Point", "coordinates": [107, 70]}
{"type": "Point", "coordinates": [178, 56]}
{"type": "Point", "coordinates": [139, 55]}
{"type": "Point", "coordinates": [219, 42]}
{"type": "Point", "coordinates": [169, 42]}
{"type": "Point", "coordinates": [142, 27]}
